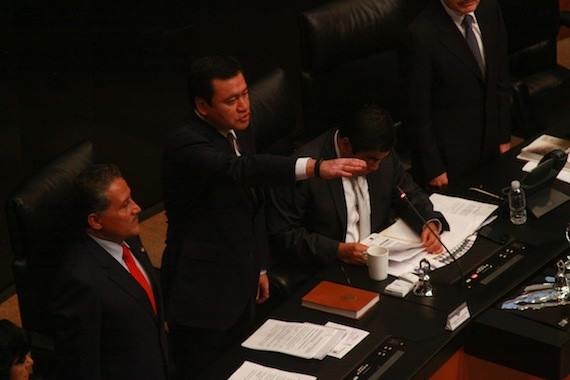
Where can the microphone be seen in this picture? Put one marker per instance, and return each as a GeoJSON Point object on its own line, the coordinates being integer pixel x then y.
{"type": "Point", "coordinates": [405, 198]}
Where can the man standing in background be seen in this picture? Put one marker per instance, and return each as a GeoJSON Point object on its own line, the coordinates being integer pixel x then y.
{"type": "Point", "coordinates": [459, 89]}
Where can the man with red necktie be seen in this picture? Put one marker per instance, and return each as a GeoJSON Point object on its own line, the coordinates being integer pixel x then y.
{"type": "Point", "coordinates": [107, 302]}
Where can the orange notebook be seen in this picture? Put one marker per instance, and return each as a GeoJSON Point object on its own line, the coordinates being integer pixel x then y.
{"type": "Point", "coordinates": [340, 299]}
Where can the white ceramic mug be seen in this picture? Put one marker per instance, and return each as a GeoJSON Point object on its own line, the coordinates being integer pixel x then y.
{"type": "Point", "coordinates": [378, 262]}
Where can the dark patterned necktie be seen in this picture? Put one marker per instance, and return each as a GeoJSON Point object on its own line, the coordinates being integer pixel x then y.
{"type": "Point", "coordinates": [233, 143]}
{"type": "Point", "coordinates": [472, 42]}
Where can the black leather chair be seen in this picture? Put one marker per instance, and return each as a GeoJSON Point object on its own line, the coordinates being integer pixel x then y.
{"type": "Point", "coordinates": [275, 121]}
{"type": "Point", "coordinates": [541, 86]}
{"type": "Point", "coordinates": [275, 116]}
{"type": "Point", "coordinates": [352, 54]}
{"type": "Point", "coordinates": [41, 220]}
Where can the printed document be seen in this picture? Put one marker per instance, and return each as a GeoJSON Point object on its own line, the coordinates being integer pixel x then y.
{"type": "Point", "coordinates": [305, 340]}
{"type": "Point", "coordinates": [544, 144]}
{"type": "Point", "coordinates": [252, 371]}
{"type": "Point", "coordinates": [464, 216]}
{"type": "Point", "coordinates": [352, 337]}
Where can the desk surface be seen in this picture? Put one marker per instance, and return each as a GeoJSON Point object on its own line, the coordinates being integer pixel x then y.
{"type": "Point", "coordinates": [418, 321]}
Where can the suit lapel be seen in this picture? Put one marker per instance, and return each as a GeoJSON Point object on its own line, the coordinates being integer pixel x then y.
{"type": "Point", "coordinates": [372, 191]}
{"type": "Point", "coordinates": [335, 185]}
{"type": "Point", "coordinates": [487, 34]}
{"type": "Point", "coordinates": [246, 146]}
{"type": "Point", "coordinates": [120, 275]}
{"type": "Point", "coordinates": [216, 138]}
{"type": "Point", "coordinates": [453, 40]}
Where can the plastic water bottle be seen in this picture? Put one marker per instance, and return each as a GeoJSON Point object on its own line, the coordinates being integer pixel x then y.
{"type": "Point", "coordinates": [517, 203]}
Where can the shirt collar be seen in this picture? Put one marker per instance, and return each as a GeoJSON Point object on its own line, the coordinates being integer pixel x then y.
{"type": "Point", "coordinates": [223, 133]}
{"type": "Point", "coordinates": [457, 17]}
{"type": "Point", "coordinates": [336, 148]}
{"type": "Point", "coordinates": [114, 249]}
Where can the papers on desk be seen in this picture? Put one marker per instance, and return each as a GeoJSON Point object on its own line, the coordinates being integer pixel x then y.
{"type": "Point", "coordinates": [305, 340]}
{"type": "Point", "coordinates": [252, 371]}
{"type": "Point", "coordinates": [464, 217]}
{"type": "Point", "coordinates": [544, 144]}
{"type": "Point", "coordinates": [352, 337]}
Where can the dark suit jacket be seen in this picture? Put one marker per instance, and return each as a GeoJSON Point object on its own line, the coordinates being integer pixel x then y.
{"type": "Point", "coordinates": [307, 223]}
{"type": "Point", "coordinates": [104, 322]}
{"type": "Point", "coordinates": [216, 225]}
{"type": "Point", "coordinates": [457, 117]}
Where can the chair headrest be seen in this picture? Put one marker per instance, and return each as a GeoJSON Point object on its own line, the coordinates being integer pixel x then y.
{"type": "Point", "coordinates": [40, 211]}
{"type": "Point", "coordinates": [273, 112]}
{"type": "Point", "coordinates": [343, 30]}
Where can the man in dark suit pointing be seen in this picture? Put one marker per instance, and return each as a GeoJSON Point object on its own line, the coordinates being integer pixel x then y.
{"type": "Point", "coordinates": [214, 266]}
{"type": "Point", "coordinates": [458, 88]}
{"type": "Point", "coordinates": [107, 303]}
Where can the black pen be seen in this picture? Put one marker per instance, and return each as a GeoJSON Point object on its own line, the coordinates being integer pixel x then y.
{"type": "Point", "coordinates": [345, 275]}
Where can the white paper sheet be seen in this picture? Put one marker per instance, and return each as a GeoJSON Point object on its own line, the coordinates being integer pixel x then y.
{"type": "Point", "coordinates": [542, 145]}
{"type": "Point", "coordinates": [464, 217]}
{"type": "Point", "coordinates": [253, 371]}
{"type": "Point", "coordinates": [400, 250]}
{"type": "Point", "coordinates": [352, 337]}
{"type": "Point", "coordinates": [305, 340]}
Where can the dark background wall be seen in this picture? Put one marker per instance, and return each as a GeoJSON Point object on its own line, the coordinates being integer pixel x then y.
{"type": "Point", "coordinates": [114, 72]}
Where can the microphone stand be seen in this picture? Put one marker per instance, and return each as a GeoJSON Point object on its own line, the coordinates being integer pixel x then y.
{"type": "Point", "coordinates": [405, 198]}
{"type": "Point", "coordinates": [460, 314]}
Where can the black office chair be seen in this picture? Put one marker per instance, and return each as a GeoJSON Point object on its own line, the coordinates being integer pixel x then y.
{"type": "Point", "coordinates": [275, 116]}
{"type": "Point", "coordinates": [352, 54]}
{"type": "Point", "coordinates": [275, 122]}
{"type": "Point", "coordinates": [41, 220]}
{"type": "Point", "coordinates": [541, 86]}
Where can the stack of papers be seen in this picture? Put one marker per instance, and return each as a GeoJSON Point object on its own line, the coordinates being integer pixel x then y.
{"type": "Point", "coordinates": [305, 340]}
{"type": "Point", "coordinates": [544, 144]}
{"type": "Point", "coordinates": [252, 371]}
{"type": "Point", "coordinates": [464, 216]}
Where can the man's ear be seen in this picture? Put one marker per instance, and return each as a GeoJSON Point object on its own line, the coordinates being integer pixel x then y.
{"type": "Point", "coordinates": [94, 222]}
{"type": "Point", "coordinates": [201, 106]}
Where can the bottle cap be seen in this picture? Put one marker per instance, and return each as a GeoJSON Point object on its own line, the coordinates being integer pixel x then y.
{"type": "Point", "coordinates": [515, 185]}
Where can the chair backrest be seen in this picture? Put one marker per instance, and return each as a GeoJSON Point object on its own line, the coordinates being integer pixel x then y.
{"type": "Point", "coordinates": [532, 28]}
{"type": "Point", "coordinates": [41, 220]}
{"type": "Point", "coordinates": [352, 55]}
{"type": "Point", "coordinates": [274, 114]}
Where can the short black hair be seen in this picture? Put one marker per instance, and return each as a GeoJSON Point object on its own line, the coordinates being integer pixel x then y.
{"type": "Point", "coordinates": [91, 187]}
{"type": "Point", "coordinates": [370, 128]}
{"type": "Point", "coordinates": [204, 70]}
{"type": "Point", "coordinates": [14, 346]}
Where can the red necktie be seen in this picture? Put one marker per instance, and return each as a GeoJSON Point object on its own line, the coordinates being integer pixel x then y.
{"type": "Point", "coordinates": [138, 275]}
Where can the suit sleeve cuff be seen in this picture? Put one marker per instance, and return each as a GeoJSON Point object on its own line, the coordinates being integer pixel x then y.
{"type": "Point", "coordinates": [301, 168]}
{"type": "Point", "coordinates": [437, 222]}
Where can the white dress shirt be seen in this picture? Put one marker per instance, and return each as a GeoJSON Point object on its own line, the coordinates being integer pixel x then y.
{"type": "Point", "coordinates": [116, 251]}
{"type": "Point", "coordinates": [357, 211]}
